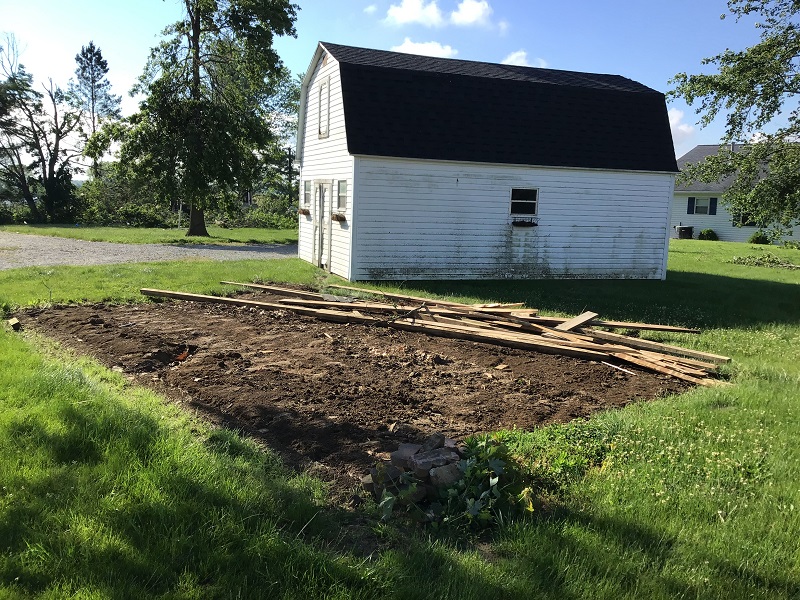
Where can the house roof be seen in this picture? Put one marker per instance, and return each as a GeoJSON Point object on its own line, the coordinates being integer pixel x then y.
{"type": "Point", "coordinates": [404, 105]}
{"type": "Point", "coordinates": [699, 154]}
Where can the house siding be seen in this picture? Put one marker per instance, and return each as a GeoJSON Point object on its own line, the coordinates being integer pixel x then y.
{"type": "Point", "coordinates": [326, 159]}
{"type": "Point", "coordinates": [447, 220]}
{"type": "Point", "coordinates": [721, 223]}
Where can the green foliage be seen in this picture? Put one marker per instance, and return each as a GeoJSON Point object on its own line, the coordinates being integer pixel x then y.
{"type": "Point", "coordinates": [205, 124]}
{"type": "Point", "coordinates": [708, 234]}
{"type": "Point", "coordinates": [759, 237]}
{"type": "Point", "coordinates": [752, 87]}
{"type": "Point", "coordinates": [793, 244]}
{"type": "Point", "coordinates": [767, 259]}
{"type": "Point", "coordinates": [489, 491]}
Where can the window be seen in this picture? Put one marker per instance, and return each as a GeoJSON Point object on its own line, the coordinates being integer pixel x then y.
{"type": "Point", "coordinates": [306, 193]}
{"type": "Point", "coordinates": [323, 108]}
{"type": "Point", "coordinates": [701, 206]}
{"type": "Point", "coordinates": [523, 201]}
{"type": "Point", "coordinates": [341, 202]}
{"type": "Point", "coordinates": [744, 220]}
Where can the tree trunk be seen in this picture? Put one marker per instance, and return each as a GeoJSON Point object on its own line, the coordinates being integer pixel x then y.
{"type": "Point", "coordinates": [197, 222]}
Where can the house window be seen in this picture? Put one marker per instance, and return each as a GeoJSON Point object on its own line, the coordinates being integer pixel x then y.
{"type": "Point", "coordinates": [524, 201]}
{"type": "Point", "coordinates": [701, 206]}
{"type": "Point", "coordinates": [341, 202]}
{"type": "Point", "coordinates": [306, 193]}
{"type": "Point", "coordinates": [744, 220]}
{"type": "Point", "coordinates": [323, 108]}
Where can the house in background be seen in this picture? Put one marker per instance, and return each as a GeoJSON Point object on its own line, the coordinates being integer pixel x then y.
{"type": "Point", "coordinates": [697, 204]}
{"type": "Point", "coordinates": [414, 167]}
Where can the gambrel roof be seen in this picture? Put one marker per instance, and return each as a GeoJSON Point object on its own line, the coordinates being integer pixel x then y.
{"type": "Point", "coordinates": [404, 105]}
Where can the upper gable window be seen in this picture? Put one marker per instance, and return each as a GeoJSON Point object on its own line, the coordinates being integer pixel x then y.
{"type": "Point", "coordinates": [524, 201]}
{"type": "Point", "coordinates": [323, 110]}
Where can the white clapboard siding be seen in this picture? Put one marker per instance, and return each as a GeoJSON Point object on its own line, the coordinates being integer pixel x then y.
{"type": "Point", "coordinates": [447, 220]}
{"type": "Point", "coordinates": [326, 159]}
{"type": "Point", "coordinates": [721, 223]}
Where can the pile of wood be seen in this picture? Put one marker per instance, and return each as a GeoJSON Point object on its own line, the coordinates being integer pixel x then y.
{"type": "Point", "coordinates": [511, 325]}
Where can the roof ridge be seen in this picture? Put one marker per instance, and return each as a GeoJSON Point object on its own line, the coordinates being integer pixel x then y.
{"type": "Point", "coordinates": [390, 59]}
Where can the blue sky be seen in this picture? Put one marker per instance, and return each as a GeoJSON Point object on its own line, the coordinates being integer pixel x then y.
{"type": "Point", "coordinates": [646, 41]}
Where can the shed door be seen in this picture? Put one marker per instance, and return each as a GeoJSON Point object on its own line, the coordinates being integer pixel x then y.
{"type": "Point", "coordinates": [322, 225]}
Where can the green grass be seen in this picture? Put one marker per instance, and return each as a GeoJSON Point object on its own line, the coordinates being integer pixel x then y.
{"type": "Point", "coordinates": [107, 492]}
{"type": "Point", "coordinates": [154, 235]}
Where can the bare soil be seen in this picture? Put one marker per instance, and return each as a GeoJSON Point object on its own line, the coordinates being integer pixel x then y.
{"type": "Point", "coordinates": [336, 398]}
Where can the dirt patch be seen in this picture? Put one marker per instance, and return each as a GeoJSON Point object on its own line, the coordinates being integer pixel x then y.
{"type": "Point", "coordinates": [335, 398]}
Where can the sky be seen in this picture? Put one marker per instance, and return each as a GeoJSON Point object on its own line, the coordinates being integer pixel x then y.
{"type": "Point", "coordinates": [640, 39]}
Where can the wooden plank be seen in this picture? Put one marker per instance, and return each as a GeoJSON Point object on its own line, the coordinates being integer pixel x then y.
{"type": "Point", "coordinates": [581, 319]}
{"type": "Point", "coordinates": [657, 346]}
{"type": "Point", "coordinates": [277, 290]}
{"type": "Point", "coordinates": [553, 321]}
{"type": "Point", "coordinates": [647, 364]}
{"type": "Point", "coordinates": [416, 299]}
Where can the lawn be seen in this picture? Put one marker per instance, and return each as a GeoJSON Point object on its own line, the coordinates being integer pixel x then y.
{"type": "Point", "coordinates": [154, 235]}
{"type": "Point", "coordinates": [107, 491]}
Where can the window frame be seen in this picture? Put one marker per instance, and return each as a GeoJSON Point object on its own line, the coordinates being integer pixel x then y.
{"type": "Point", "coordinates": [324, 108]}
{"type": "Point", "coordinates": [709, 205]}
{"type": "Point", "coordinates": [341, 197]}
{"type": "Point", "coordinates": [520, 202]}
{"type": "Point", "coordinates": [308, 191]}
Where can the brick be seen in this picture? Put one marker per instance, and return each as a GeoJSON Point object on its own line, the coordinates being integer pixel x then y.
{"type": "Point", "coordinates": [422, 462]}
{"type": "Point", "coordinates": [404, 452]}
{"type": "Point", "coordinates": [446, 476]}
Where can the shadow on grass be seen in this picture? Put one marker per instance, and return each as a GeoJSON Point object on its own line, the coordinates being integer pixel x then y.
{"type": "Point", "coordinates": [685, 298]}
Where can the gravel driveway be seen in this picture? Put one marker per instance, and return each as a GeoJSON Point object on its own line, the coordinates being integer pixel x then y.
{"type": "Point", "coordinates": [21, 250]}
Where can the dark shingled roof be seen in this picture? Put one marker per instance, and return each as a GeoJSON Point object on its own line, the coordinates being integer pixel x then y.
{"type": "Point", "coordinates": [410, 106]}
{"type": "Point", "coordinates": [699, 154]}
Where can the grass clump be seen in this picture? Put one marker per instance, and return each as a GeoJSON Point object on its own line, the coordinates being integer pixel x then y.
{"type": "Point", "coordinates": [106, 491]}
{"type": "Point", "coordinates": [764, 260]}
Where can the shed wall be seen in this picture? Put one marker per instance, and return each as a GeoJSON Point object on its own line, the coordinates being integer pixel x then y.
{"type": "Point", "coordinates": [326, 160]}
{"type": "Point", "coordinates": [444, 220]}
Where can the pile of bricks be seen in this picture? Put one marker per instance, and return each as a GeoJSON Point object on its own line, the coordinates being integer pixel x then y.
{"type": "Point", "coordinates": [432, 465]}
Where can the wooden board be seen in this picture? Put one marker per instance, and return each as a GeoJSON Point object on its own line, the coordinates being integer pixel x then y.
{"type": "Point", "coordinates": [277, 290]}
{"type": "Point", "coordinates": [657, 346]}
{"type": "Point", "coordinates": [581, 319]}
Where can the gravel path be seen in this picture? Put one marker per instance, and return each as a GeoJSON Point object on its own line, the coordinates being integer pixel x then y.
{"type": "Point", "coordinates": [21, 250]}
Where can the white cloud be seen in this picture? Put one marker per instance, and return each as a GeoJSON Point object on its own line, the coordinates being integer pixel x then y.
{"type": "Point", "coordinates": [520, 58]}
{"type": "Point", "coordinates": [371, 9]}
{"type": "Point", "coordinates": [680, 131]}
{"type": "Point", "coordinates": [503, 27]}
{"type": "Point", "coordinates": [471, 12]}
{"type": "Point", "coordinates": [426, 49]}
{"type": "Point", "coordinates": [415, 11]}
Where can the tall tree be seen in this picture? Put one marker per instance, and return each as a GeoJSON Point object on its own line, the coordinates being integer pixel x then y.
{"type": "Point", "coordinates": [34, 142]}
{"type": "Point", "coordinates": [205, 121]}
{"type": "Point", "coordinates": [758, 90]}
{"type": "Point", "coordinates": [91, 93]}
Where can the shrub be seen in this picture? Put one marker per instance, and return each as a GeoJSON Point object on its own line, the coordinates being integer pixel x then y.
{"type": "Point", "coordinates": [708, 234]}
{"type": "Point", "coordinates": [759, 237]}
{"type": "Point", "coordinates": [791, 244]}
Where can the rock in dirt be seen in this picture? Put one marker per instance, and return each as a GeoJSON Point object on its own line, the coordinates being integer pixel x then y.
{"type": "Point", "coordinates": [423, 462]}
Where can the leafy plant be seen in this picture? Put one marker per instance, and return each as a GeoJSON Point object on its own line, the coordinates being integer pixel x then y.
{"type": "Point", "coordinates": [759, 237]}
{"type": "Point", "coordinates": [764, 260]}
{"type": "Point", "coordinates": [708, 234]}
{"type": "Point", "coordinates": [491, 490]}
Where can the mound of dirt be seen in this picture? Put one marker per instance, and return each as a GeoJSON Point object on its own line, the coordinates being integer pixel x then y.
{"type": "Point", "coordinates": [336, 398]}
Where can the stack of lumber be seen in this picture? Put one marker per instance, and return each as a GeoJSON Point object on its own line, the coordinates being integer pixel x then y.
{"type": "Point", "coordinates": [510, 325]}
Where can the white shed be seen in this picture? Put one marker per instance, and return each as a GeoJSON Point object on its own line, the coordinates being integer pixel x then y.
{"type": "Point", "coordinates": [414, 167]}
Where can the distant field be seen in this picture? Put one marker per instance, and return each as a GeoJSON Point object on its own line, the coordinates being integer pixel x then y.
{"type": "Point", "coordinates": [152, 235]}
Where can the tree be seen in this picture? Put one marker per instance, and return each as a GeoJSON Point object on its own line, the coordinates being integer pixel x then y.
{"type": "Point", "coordinates": [91, 93]}
{"type": "Point", "coordinates": [205, 122]}
{"type": "Point", "coordinates": [36, 127]}
{"type": "Point", "coordinates": [756, 88]}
